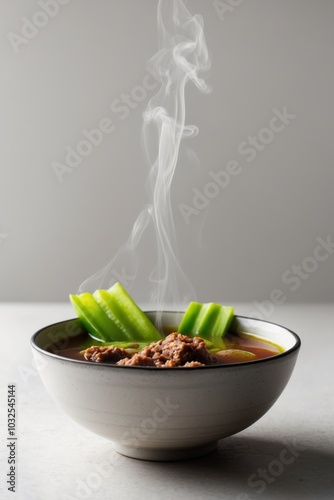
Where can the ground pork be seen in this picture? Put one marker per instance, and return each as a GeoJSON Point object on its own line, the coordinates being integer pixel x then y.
{"type": "Point", "coordinates": [175, 350]}
{"type": "Point", "coordinates": [105, 354]}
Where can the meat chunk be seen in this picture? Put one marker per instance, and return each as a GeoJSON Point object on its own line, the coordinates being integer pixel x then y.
{"type": "Point", "coordinates": [175, 350]}
{"type": "Point", "coordinates": [105, 354]}
{"type": "Point", "coordinates": [137, 359]}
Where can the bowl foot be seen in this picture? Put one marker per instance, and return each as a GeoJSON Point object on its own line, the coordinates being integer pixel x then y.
{"type": "Point", "coordinates": [165, 455]}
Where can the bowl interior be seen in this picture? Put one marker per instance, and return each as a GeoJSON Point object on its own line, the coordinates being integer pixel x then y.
{"type": "Point", "coordinates": [58, 336]}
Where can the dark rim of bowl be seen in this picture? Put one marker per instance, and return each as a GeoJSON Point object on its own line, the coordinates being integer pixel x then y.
{"type": "Point", "coordinates": [292, 349]}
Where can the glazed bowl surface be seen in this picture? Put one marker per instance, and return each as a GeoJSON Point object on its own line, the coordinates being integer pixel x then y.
{"type": "Point", "coordinates": [164, 413]}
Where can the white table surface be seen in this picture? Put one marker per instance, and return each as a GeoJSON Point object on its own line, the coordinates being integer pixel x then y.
{"type": "Point", "coordinates": [57, 459]}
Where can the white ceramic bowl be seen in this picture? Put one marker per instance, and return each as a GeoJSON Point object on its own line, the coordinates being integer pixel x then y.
{"type": "Point", "coordinates": [170, 413]}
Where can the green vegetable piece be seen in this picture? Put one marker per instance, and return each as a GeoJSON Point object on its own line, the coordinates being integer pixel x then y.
{"type": "Point", "coordinates": [94, 319]}
{"type": "Point", "coordinates": [105, 301]}
{"type": "Point", "coordinates": [209, 321]}
{"type": "Point", "coordinates": [133, 320]}
{"type": "Point", "coordinates": [188, 321]}
{"type": "Point", "coordinates": [111, 315]}
{"type": "Point", "coordinates": [133, 346]}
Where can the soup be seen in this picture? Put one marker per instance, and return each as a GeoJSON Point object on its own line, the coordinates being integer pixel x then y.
{"type": "Point", "coordinates": [174, 350]}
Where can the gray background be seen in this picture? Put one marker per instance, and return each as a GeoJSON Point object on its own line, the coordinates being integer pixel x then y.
{"type": "Point", "coordinates": [265, 55]}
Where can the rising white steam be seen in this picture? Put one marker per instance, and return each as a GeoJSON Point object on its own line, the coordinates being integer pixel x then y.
{"type": "Point", "coordinates": [183, 55]}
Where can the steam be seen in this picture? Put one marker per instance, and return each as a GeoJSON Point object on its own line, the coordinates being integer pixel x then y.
{"type": "Point", "coordinates": [182, 56]}
{"type": "Point", "coordinates": [183, 53]}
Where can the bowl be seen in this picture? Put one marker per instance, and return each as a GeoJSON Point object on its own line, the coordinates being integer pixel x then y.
{"type": "Point", "coordinates": [164, 414]}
